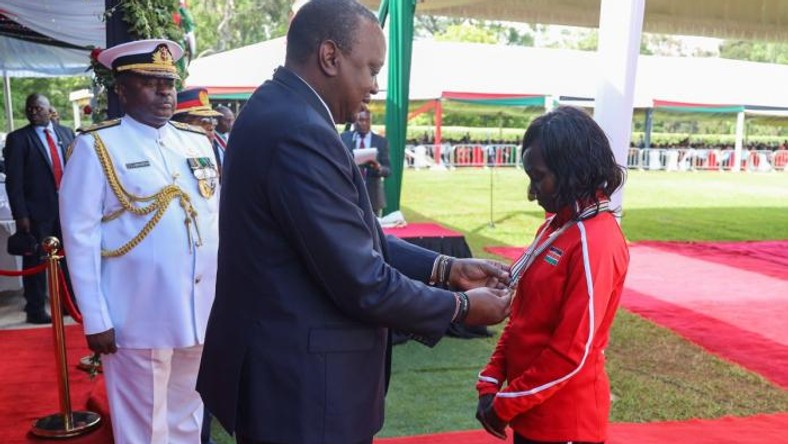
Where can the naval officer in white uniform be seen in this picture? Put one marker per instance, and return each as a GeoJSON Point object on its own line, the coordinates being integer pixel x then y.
{"type": "Point", "coordinates": [139, 210]}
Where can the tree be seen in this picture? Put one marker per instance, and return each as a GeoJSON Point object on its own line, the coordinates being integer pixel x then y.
{"type": "Point", "coordinates": [671, 45]}
{"type": "Point", "coordinates": [454, 29]}
{"type": "Point", "coordinates": [755, 51]}
{"type": "Point", "coordinates": [228, 24]}
{"type": "Point", "coordinates": [467, 32]}
{"type": "Point", "coordinates": [55, 89]}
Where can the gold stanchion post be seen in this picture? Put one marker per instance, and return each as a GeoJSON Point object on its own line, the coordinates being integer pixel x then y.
{"type": "Point", "coordinates": [67, 423]}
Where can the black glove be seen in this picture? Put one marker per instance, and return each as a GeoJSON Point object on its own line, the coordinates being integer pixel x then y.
{"type": "Point", "coordinates": [488, 418]}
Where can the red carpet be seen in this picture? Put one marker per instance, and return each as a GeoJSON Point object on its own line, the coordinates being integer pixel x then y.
{"type": "Point", "coordinates": [757, 429]}
{"type": "Point", "coordinates": [29, 389]}
{"type": "Point", "coordinates": [421, 230]}
{"type": "Point", "coordinates": [730, 298]}
{"type": "Point", "coordinates": [769, 258]}
{"type": "Point", "coordinates": [731, 311]}
{"type": "Point", "coordinates": [511, 253]}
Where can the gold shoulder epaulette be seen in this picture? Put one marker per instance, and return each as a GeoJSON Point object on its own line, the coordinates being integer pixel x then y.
{"type": "Point", "coordinates": [187, 127]}
{"type": "Point", "coordinates": [98, 126]}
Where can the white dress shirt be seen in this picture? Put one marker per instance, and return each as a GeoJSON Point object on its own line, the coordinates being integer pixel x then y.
{"type": "Point", "coordinates": [43, 138]}
{"type": "Point", "coordinates": [357, 138]}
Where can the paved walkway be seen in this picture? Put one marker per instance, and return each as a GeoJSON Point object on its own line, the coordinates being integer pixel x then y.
{"type": "Point", "coordinates": [12, 312]}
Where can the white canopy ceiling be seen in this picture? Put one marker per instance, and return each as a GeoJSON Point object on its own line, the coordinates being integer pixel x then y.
{"type": "Point", "coordinates": [744, 19]}
{"type": "Point", "coordinates": [19, 58]}
{"type": "Point", "coordinates": [73, 22]}
{"type": "Point", "coordinates": [440, 67]}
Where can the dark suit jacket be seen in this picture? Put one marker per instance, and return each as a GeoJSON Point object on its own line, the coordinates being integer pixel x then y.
{"type": "Point", "coordinates": [374, 178]}
{"type": "Point", "coordinates": [307, 284]}
{"type": "Point", "coordinates": [29, 182]}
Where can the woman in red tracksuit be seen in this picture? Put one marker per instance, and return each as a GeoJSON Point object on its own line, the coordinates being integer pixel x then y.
{"type": "Point", "coordinates": [546, 378]}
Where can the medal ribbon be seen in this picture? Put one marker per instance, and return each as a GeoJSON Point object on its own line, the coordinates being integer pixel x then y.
{"type": "Point", "coordinates": [536, 248]}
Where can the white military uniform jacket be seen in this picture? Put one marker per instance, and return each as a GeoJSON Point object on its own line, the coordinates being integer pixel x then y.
{"type": "Point", "coordinates": [159, 294]}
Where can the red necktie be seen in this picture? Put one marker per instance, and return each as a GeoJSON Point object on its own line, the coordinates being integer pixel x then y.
{"type": "Point", "coordinates": [361, 146]}
{"type": "Point", "coordinates": [57, 170]}
{"type": "Point", "coordinates": [221, 141]}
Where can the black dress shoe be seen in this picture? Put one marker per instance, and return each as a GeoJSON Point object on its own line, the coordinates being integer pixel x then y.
{"type": "Point", "coordinates": [39, 318]}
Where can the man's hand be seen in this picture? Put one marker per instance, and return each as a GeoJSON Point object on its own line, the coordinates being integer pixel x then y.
{"type": "Point", "coordinates": [23, 225]}
{"type": "Point", "coordinates": [374, 164]}
{"type": "Point", "coordinates": [471, 273]}
{"type": "Point", "coordinates": [488, 418]}
{"type": "Point", "coordinates": [488, 306]}
{"type": "Point", "coordinates": [103, 342]}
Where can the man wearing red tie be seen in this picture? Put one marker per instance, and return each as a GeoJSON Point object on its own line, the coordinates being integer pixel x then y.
{"type": "Point", "coordinates": [223, 125]}
{"type": "Point", "coordinates": [373, 171]}
{"type": "Point", "coordinates": [34, 161]}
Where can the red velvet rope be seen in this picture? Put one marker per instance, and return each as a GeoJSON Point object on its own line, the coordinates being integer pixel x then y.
{"type": "Point", "coordinates": [72, 309]}
{"type": "Point", "coordinates": [30, 271]}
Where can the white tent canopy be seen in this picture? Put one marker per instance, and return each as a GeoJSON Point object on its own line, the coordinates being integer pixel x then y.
{"type": "Point", "coordinates": [440, 67]}
{"type": "Point", "coordinates": [62, 30]}
{"type": "Point", "coordinates": [741, 19]}
{"type": "Point", "coordinates": [73, 22]}
{"type": "Point", "coordinates": [242, 69]}
{"type": "Point", "coordinates": [20, 58]}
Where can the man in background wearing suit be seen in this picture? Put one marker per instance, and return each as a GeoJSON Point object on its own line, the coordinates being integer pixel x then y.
{"type": "Point", "coordinates": [34, 162]}
{"type": "Point", "coordinates": [375, 170]}
{"type": "Point", "coordinates": [297, 346]}
{"type": "Point", "coordinates": [224, 125]}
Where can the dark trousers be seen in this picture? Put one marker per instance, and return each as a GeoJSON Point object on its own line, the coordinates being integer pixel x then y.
{"type": "Point", "coordinates": [521, 440]}
{"type": "Point", "coordinates": [35, 286]}
{"type": "Point", "coordinates": [244, 440]}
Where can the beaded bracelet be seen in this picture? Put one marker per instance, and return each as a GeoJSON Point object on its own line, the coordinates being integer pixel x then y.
{"type": "Point", "coordinates": [465, 307]}
{"type": "Point", "coordinates": [449, 262]}
{"type": "Point", "coordinates": [434, 274]}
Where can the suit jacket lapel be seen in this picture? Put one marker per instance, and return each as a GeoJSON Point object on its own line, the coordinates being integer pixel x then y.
{"type": "Point", "coordinates": [291, 81]}
{"type": "Point", "coordinates": [33, 135]}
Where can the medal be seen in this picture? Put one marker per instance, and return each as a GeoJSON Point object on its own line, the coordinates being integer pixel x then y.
{"type": "Point", "coordinates": [206, 189]}
{"type": "Point", "coordinates": [205, 173]}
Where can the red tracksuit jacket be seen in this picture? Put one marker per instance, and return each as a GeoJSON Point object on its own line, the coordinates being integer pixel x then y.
{"type": "Point", "coordinates": [551, 352]}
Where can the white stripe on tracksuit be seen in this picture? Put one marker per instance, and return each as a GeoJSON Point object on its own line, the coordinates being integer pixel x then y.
{"type": "Point", "coordinates": [590, 287]}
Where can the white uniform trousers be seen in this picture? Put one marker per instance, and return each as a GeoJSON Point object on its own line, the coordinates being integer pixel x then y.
{"type": "Point", "coordinates": [152, 396]}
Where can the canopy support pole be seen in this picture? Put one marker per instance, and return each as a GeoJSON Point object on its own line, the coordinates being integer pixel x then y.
{"type": "Point", "coordinates": [9, 111]}
{"type": "Point", "coordinates": [117, 33]}
{"type": "Point", "coordinates": [737, 159]}
{"type": "Point", "coordinates": [620, 28]}
{"type": "Point", "coordinates": [549, 103]}
{"type": "Point", "coordinates": [438, 130]}
{"type": "Point", "coordinates": [400, 48]}
{"type": "Point", "coordinates": [649, 125]}
{"type": "Point", "coordinates": [383, 12]}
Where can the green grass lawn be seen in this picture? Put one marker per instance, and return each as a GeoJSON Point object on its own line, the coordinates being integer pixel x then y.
{"type": "Point", "coordinates": [655, 375]}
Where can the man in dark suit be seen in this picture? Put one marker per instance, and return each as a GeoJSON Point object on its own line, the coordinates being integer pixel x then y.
{"type": "Point", "coordinates": [34, 162]}
{"type": "Point", "coordinates": [224, 125]}
{"type": "Point", "coordinates": [296, 349]}
{"type": "Point", "coordinates": [375, 170]}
